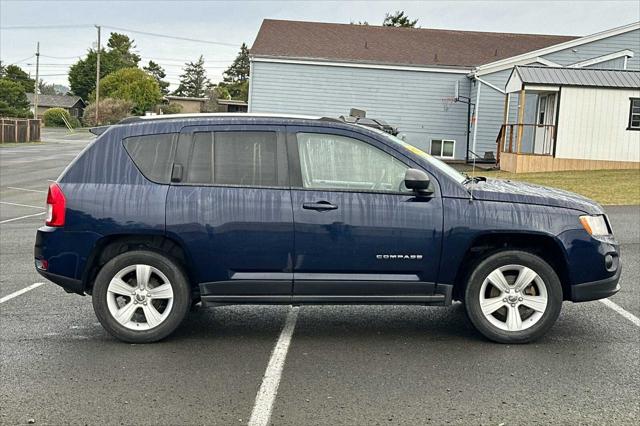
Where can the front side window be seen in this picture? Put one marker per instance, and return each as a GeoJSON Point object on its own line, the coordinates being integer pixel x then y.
{"type": "Point", "coordinates": [234, 158]}
{"type": "Point", "coordinates": [634, 114]}
{"type": "Point", "coordinates": [442, 148]}
{"type": "Point", "coordinates": [343, 163]}
{"type": "Point", "coordinates": [152, 154]}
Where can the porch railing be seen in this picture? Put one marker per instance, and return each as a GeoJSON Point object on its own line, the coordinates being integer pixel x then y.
{"type": "Point", "coordinates": [536, 139]}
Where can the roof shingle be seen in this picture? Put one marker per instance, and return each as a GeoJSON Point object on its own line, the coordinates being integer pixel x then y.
{"type": "Point", "coordinates": [63, 101]}
{"type": "Point", "coordinates": [388, 45]}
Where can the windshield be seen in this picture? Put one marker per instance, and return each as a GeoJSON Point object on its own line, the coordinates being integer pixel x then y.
{"type": "Point", "coordinates": [440, 165]}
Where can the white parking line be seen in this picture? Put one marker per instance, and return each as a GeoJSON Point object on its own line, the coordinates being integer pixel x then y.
{"type": "Point", "coordinates": [21, 217]}
{"type": "Point", "coordinates": [628, 315]}
{"type": "Point", "coordinates": [21, 205]}
{"type": "Point", "coordinates": [28, 190]}
{"type": "Point", "coordinates": [19, 292]}
{"type": "Point", "coordinates": [269, 388]}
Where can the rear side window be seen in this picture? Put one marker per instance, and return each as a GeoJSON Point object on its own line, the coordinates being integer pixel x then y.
{"type": "Point", "coordinates": [153, 155]}
{"type": "Point", "coordinates": [236, 158]}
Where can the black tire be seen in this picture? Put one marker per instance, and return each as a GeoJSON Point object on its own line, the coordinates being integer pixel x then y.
{"type": "Point", "coordinates": [513, 257]}
{"type": "Point", "coordinates": [179, 285]}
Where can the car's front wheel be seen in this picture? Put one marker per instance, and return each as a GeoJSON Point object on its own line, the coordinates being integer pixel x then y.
{"type": "Point", "coordinates": [513, 297]}
{"type": "Point", "coordinates": [141, 296]}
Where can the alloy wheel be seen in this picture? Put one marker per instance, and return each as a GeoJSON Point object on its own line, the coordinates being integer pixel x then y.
{"type": "Point", "coordinates": [140, 297]}
{"type": "Point", "coordinates": [513, 297]}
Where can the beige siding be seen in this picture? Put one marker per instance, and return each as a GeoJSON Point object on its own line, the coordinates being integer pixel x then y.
{"type": "Point", "coordinates": [593, 125]}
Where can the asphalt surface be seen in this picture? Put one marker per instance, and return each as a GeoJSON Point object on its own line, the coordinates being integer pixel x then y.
{"type": "Point", "coordinates": [345, 365]}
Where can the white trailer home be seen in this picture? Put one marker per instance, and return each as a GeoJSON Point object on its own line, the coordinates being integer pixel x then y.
{"type": "Point", "coordinates": [582, 119]}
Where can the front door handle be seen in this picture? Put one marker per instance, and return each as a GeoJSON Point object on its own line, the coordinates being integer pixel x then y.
{"type": "Point", "coordinates": [319, 206]}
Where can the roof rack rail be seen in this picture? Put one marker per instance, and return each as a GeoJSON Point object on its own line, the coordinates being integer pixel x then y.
{"type": "Point", "coordinates": [376, 123]}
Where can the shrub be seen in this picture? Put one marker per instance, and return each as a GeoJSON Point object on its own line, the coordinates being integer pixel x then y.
{"type": "Point", "coordinates": [171, 109]}
{"type": "Point", "coordinates": [111, 111]}
{"type": "Point", "coordinates": [55, 117]}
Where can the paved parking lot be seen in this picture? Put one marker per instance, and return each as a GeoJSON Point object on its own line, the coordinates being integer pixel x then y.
{"type": "Point", "coordinates": [344, 365]}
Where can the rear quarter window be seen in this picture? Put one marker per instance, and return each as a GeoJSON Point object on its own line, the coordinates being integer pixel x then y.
{"type": "Point", "coordinates": [153, 155]}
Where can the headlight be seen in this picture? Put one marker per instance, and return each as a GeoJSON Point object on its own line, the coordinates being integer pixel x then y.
{"type": "Point", "coordinates": [595, 225]}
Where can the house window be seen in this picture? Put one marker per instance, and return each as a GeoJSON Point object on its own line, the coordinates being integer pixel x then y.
{"type": "Point", "coordinates": [443, 148]}
{"type": "Point", "coordinates": [634, 114]}
{"type": "Point", "coordinates": [542, 110]}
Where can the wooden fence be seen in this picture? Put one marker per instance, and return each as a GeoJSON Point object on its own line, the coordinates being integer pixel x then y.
{"type": "Point", "coordinates": [19, 130]}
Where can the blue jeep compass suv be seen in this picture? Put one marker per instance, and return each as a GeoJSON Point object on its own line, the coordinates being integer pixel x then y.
{"type": "Point", "coordinates": [159, 213]}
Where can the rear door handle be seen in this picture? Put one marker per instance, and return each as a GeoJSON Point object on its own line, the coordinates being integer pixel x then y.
{"type": "Point", "coordinates": [319, 206]}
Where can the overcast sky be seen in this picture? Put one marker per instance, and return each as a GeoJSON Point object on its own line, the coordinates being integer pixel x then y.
{"type": "Point", "coordinates": [234, 22]}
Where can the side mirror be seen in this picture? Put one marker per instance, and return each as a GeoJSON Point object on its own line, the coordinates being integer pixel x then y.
{"type": "Point", "coordinates": [418, 181]}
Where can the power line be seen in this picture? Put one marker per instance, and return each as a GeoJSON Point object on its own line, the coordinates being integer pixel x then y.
{"type": "Point", "coordinates": [195, 40]}
{"type": "Point", "coordinates": [22, 60]}
{"type": "Point", "coordinates": [219, 43]}
{"type": "Point", "coordinates": [49, 27]}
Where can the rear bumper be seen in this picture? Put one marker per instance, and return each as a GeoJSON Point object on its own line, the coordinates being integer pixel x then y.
{"type": "Point", "coordinates": [69, 285]}
{"type": "Point", "coordinates": [596, 289]}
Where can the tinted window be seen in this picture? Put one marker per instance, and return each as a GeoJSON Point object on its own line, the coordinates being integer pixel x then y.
{"type": "Point", "coordinates": [235, 158]}
{"type": "Point", "coordinates": [152, 154]}
{"type": "Point", "coordinates": [339, 162]}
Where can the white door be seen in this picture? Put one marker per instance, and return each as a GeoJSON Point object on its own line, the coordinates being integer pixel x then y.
{"type": "Point", "coordinates": [545, 120]}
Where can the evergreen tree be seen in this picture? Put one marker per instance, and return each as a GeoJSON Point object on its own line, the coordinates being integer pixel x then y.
{"type": "Point", "coordinates": [194, 81]}
{"type": "Point", "coordinates": [16, 74]}
{"type": "Point", "coordinates": [82, 74]}
{"type": "Point", "coordinates": [157, 72]}
{"type": "Point", "coordinates": [398, 19]}
{"type": "Point", "coordinates": [236, 77]}
{"type": "Point", "coordinates": [13, 100]}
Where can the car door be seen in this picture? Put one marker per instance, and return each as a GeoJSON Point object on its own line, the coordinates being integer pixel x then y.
{"type": "Point", "coordinates": [230, 205]}
{"type": "Point", "coordinates": [358, 230]}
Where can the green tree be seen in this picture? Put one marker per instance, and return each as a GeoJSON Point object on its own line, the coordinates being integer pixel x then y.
{"type": "Point", "coordinates": [194, 81]}
{"type": "Point", "coordinates": [15, 73]}
{"type": "Point", "coordinates": [13, 100]}
{"type": "Point", "coordinates": [134, 85]}
{"type": "Point", "coordinates": [82, 74]}
{"type": "Point", "coordinates": [398, 19]}
{"type": "Point", "coordinates": [157, 72]}
{"type": "Point", "coordinates": [213, 94]}
{"type": "Point", "coordinates": [46, 89]}
{"type": "Point", "coordinates": [236, 77]}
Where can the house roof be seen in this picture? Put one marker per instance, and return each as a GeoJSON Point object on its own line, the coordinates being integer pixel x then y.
{"type": "Point", "coordinates": [586, 77]}
{"type": "Point", "coordinates": [231, 102]}
{"type": "Point", "coordinates": [184, 98]}
{"type": "Point", "coordinates": [389, 45]}
{"type": "Point", "coordinates": [61, 101]}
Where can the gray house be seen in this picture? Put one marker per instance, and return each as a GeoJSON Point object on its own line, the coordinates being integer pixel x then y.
{"type": "Point", "coordinates": [73, 104]}
{"type": "Point", "coordinates": [419, 80]}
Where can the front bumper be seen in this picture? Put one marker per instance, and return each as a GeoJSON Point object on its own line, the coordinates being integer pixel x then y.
{"type": "Point", "coordinates": [596, 289]}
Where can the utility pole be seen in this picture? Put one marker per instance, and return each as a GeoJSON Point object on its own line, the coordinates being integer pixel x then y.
{"type": "Point", "coordinates": [98, 80]}
{"type": "Point", "coordinates": [35, 89]}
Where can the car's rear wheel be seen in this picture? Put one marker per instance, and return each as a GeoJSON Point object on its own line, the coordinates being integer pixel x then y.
{"type": "Point", "coordinates": [141, 296]}
{"type": "Point", "coordinates": [513, 297]}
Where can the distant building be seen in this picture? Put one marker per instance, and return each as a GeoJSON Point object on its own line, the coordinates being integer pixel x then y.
{"type": "Point", "coordinates": [410, 77]}
{"type": "Point", "coordinates": [231, 105]}
{"type": "Point", "coordinates": [189, 105]}
{"type": "Point", "coordinates": [73, 104]}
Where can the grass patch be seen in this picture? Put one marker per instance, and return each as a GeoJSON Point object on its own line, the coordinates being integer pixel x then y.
{"type": "Point", "coordinates": [611, 187]}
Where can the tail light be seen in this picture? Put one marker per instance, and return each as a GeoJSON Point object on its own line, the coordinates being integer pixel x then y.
{"type": "Point", "coordinates": [56, 206]}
